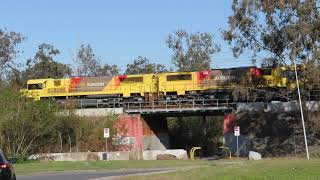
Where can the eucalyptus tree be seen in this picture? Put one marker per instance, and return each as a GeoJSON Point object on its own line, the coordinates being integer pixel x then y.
{"type": "Point", "coordinates": [192, 51]}
{"type": "Point", "coordinates": [142, 65]}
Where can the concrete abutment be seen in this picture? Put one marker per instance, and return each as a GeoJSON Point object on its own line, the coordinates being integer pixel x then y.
{"type": "Point", "coordinates": [146, 132]}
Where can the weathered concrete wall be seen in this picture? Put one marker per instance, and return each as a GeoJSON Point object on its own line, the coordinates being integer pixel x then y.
{"type": "Point", "coordinates": [156, 142]}
{"type": "Point", "coordinates": [123, 155]}
{"type": "Point", "coordinates": [131, 127]}
{"type": "Point", "coordinates": [119, 155]}
{"type": "Point", "coordinates": [145, 133]}
{"type": "Point", "coordinates": [82, 156]}
{"type": "Point", "coordinates": [276, 106]}
{"type": "Point", "coordinates": [98, 112]}
{"type": "Point", "coordinates": [155, 133]}
{"type": "Point", "coordinates": [152, 154]}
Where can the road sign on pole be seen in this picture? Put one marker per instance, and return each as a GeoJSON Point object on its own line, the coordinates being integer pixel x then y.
{"type": "Point", "coordinates": [106, 134]}
{"type": "Point", "coordinates": [236, 131]}
{"type": "Point", "coordinates": [237, 134]}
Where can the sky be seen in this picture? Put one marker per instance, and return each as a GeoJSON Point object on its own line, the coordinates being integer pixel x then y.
{"type": "Point", "coordinates": [118, 30]}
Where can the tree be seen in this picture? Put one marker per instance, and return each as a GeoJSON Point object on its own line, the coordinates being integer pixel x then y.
{"type": "Point", "coordinates": [8, 42]}
{"type": "Point", "coordinates": [142, 65]}
{"type": "Point", "coordinates": [192, 51]}
{"type": "Point", "coordinates": [88, 64]}
{"type": "Point", "coordinates": [32, 127]}
{"type": "Point", "coordinates": [281, 30]}
{"type": "Point", "coordinates": [108, 70]}
{"type": "Point", "coordinates": [15, 79]}
{"type": "Point", "coordinates": [22, 122]}
{"type": "Point", "coordinates": [43, 65]}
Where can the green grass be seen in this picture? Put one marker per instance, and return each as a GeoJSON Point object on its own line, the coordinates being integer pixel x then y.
{"type": "Point", "coordinates": [32, 167]}
{"type": "Point", "coordinates": [286, 169]}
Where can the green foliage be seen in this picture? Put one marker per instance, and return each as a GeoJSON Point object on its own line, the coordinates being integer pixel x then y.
{"type": "Point", "coordinates": [191, 52]}
{"type": "Point", "coordinates": [44, 65]}
{"type": "Point", "coordinates": [22, 122]}
{"type": "Point", "coordinates": [88, 64]}
{"type": "Point", "coordinates": [28, 126]}
{"type": "Point", "coordinates": [108, 70]}
{"type": "Point", "coordinates": [8, 42]}
{"type": "Point", "coordinates": [89, 133]}
{"type": "Point", "coordinates": [278, 30]}
{"type": "Point", "coordinates": [142, 65]}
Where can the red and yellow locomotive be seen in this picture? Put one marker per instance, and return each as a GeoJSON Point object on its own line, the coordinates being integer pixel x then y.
{"type": "Point", "coordinates": [215, 83]}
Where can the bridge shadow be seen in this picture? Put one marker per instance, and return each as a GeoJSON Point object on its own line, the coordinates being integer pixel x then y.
{"type": "Point", "coordinates": [184, 131]}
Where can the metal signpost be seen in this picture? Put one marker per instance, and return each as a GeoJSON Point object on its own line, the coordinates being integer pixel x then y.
{"type": "Point", "coordinates": [106, 135]}
{"type": "Point", "coordinates": [237, 134]}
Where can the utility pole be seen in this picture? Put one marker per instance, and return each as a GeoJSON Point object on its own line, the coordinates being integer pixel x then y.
{"type": "Point", "coordinates": [301, 110]}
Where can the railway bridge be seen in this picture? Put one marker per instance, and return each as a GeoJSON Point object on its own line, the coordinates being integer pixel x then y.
{"type": "Point", "coordinates": [146, 122]}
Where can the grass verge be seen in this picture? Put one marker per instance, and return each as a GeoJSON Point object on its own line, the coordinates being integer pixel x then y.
{"type": "Point", "coordinates": [33, 167]}
{"type": "Point", "coordinates": [286, 169]}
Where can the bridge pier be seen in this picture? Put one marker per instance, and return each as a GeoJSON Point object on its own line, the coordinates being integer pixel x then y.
{"type": "Point", "coordinates": [156, 133]}
{"type": "Point", "coordinates": [145, 132]}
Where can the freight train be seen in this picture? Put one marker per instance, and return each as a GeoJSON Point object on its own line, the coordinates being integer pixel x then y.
{"type": "Point", "coordinates": [213, 84]}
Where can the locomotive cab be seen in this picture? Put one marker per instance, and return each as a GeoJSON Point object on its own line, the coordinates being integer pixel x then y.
{"type": "Point", "coordinates": [36, 88]}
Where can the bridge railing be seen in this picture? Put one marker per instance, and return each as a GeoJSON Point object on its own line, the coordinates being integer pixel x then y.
{"type": "Point", "coordinates": [151, 105]}
{"type": "Point", "coordinates": [178, 104]}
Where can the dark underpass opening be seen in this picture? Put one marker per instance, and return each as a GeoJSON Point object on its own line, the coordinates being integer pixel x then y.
{"type": "Point", "coordinates": [196, 131]}
{"type": "Point", "coordinates": [187, 131]}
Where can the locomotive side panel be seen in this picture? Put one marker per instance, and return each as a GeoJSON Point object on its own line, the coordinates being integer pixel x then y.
{"type": "Point", "coordinates": [176, 83]}
{"type": "Point", "coordinates": [218, 79]}
{"type": "Point", "coordinates": [137, 85]}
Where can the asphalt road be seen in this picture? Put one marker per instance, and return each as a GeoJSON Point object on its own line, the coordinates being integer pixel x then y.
{"type": "Point", "coordinates": [90, 174]}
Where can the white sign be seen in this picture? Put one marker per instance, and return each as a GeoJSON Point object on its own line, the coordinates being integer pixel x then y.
{"type": "Point", "coordinates": [106, 133]}
{"type": "Point", "coordinates": [237, 131]}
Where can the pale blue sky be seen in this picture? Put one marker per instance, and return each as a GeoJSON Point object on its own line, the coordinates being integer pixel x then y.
{"type": "Point", "coordinates": [118, 30]}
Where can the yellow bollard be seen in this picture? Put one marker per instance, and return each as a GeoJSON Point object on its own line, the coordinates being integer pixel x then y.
{"type": "Point", "coordinates": [223, 147]}
{"type": "Point", "coordinates": [192, 152]}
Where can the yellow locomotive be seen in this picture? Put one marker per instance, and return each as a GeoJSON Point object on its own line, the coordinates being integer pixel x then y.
{"type": "Point", "coordinates": [280, 77]}
{"type": "Point", "coordinates": [143, 85]}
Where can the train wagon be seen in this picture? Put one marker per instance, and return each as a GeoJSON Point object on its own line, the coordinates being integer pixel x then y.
{"type": "Point", "coordinates": [140, 86]}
